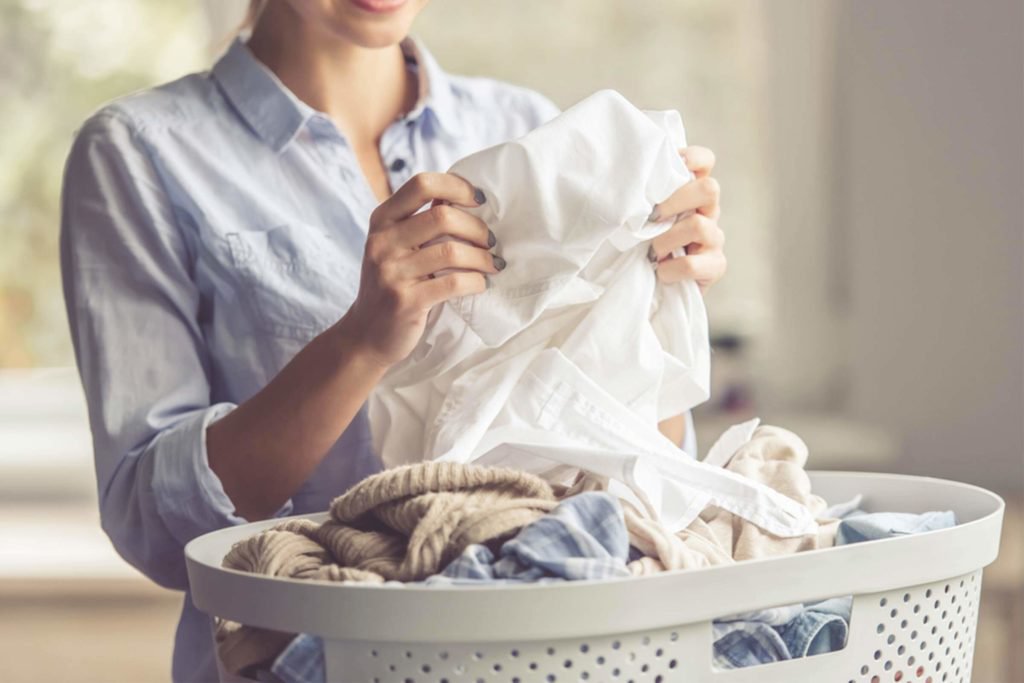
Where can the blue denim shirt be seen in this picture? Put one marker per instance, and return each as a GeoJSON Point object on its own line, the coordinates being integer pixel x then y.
{"type": "Point", "coordinates": [211, 227]}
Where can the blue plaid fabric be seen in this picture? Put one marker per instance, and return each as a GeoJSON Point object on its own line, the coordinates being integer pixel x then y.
{"type": "Point", "coordinates": [584, 537]}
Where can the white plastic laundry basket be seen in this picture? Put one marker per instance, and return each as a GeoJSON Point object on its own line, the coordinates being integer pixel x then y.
{"type": "Point", "coordinates": [914, 613]}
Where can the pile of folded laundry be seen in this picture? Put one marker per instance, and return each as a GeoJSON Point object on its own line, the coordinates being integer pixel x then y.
{"type": "Point", "coordinates": [521, 436]}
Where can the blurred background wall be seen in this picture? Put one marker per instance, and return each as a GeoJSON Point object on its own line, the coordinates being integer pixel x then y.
{"type": "Point", "coordinates": [872, 158]}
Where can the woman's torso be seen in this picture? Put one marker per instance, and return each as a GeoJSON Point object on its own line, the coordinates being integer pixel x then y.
{"type": "Point", "coordinates": [274, 206]}
{"type": "Point", "coordinates": [273, 210]}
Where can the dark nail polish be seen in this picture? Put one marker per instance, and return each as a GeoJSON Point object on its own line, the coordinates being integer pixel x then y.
{"type": "Point", "coordinates": [652, 255]}
{"type": "Point", "coordinates": [478, 196]}
{"type": "Point", "coordinates": [491, 239]}
{"type": "Point", "coordinates": [499, 262]}
{"type": "Point", "coordinates": [654, 217]}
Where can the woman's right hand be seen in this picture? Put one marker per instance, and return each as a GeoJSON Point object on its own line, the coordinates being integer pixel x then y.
{"type": "Point", "coordinates": [402, 276]}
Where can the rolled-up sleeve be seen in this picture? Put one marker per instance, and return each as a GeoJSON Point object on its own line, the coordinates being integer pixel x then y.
{"type": "Point", "coordinates": [133, 309]}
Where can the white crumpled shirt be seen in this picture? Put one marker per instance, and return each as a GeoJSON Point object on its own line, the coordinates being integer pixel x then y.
{"type": "Point", "coordinates": [575, 352]}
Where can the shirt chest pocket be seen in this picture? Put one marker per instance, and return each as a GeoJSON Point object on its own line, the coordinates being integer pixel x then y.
{"type": "Point", "coordinates": [293, 280]}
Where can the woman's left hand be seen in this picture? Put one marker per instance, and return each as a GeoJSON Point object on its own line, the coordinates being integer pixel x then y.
{"type": "Point", "coordinates": [696, 208]}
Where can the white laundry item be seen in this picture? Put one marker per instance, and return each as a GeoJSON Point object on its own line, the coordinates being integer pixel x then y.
{"type": "Point", "coordinates": [575, 352]}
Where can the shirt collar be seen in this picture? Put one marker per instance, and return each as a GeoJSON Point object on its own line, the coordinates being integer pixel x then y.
{"type": "Point", "coordinates": [276, 115]}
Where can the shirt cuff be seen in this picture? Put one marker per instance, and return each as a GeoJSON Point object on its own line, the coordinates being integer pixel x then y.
{"type": "Point", "coordinates": [190, 497]}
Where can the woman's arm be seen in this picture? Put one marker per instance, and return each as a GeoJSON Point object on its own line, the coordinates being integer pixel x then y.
{"type": "Point", "coordinates": [266, 448]}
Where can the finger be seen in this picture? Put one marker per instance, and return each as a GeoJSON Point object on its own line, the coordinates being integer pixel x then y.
{"type": "Point", "coordinates": [436, 290]}
{"type": "Point", "coordinates": [700, 160]}
{"type": "Point", "coordinates": [694, 228]}
{"type": "Point", "coordinates": [697, 195]}
{"type": "Point", "coordinates": [441, 220]}
{"type": "Point", "coordinates": [446, 256]}
{"type": "Point", "coordinates": [426, 187]}
{"type": "Point", "coordinates": [704, 268]}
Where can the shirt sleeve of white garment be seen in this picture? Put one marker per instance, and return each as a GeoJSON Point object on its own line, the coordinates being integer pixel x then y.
{"type": "Point", "coordinates": [133, 309]}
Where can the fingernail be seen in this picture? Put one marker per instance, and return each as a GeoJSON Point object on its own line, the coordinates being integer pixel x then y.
{"type": "Point", "coordinates": [652, 255]}
{"type": "Point", "coordinates": [654, 217]}
{"type": "Point", "coordinates": [478, 196]}
{"type": "Point", "coordinates": [499, 262]}
{"type": "Point", "coordinates": [491, 239]}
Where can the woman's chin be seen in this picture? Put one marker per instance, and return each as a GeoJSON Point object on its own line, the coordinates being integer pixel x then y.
{"type": "Point", "coordinates": [383, 26]}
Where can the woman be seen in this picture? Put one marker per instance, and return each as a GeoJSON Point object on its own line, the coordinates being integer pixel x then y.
{"type": "Point", "coordinates": [239, 272]}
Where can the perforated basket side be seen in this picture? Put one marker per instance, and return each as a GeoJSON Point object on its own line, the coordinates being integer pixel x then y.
{"type": "Point", "coordinates": [922, 634]}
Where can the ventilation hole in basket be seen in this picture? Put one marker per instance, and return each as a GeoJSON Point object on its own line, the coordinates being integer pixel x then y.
{"type": "Point", "coordinates": [550, 678]}
{"type": "Point", "coordinates": [875, 679]}
{"type": "Point", "coordinates": [392, 667]}
{"type": "Point", "coordinates": [516, 679]}
{"type": "Point", "coordinates": [616, 645]}
{"type": "Point", "coordinates": [894, 612]}
{"type": "Point", "coordinates": [903, 624]}
{"type": "Point", "coordinates": [880, 629]}
{"type": "Point", "coordinates": [442, 655]}
{"type": "Point", "coordinates": [632, 656]}
{"type": "Point", "coordinates": [567, 664]}
{"type": "Point", "coordinates": [947, 588]}
{"type": "Point", "coordinates": [584, 648]}
{"type": "Point", "coordinates": [408, 655]}
{"type": "Point", "coordinates": [616, 672]}
{"type": "Point", "coordinates": [533, 666]}
{"type": "Point", "coordinates": [659, 652]}
{"type": "Point", "coordinates": [883, 602]}
{"type": "Point", "coordinates": [600, 661]}
{"type": "Point", "coordinates": [887, 665]}
{"type": "Point", "coordinates": [445, 680]}
{"type": "Point", "coordinates": [910, 660]}
{"type": "Point", "coordinates": [644, 668]}
{"type": "Point", "coordinates": [891, 639]}
{"type": "Point", "coordinates": [550, 651]}
{"type": "Point", "coordinates": [496, 668]}
{"type": "Point", "coordinates": [878, 654]}
{"type": "Point", "coordinates": [673, 637]}
{"type": "Point", "coordinates": [927, 618]}
{"type": "Point", "coordinates": [658, 679]}
{"type": "Point", "coordinates": [920, 671]}
{"type": "Point", "coordinates": [425, 668]}
{"type": "Point", "coordinates": [373, 653]}
{"type": "Point", "coordinates": [901, 649]}
{"type": "Point", "coordinates": [898, 676]}
{"type": "Point", "coordinates": [906, 597]}
{"type": "Point", "coordinates": [459, 669]}
{"type": "Point", "coordinates": [864, 670]}
{"type": "Point", "coordinates": [584, 675]}
{"type": "Point", "coordinates": [645, 641]}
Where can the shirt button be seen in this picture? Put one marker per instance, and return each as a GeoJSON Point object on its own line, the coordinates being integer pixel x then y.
{"type": "Point", "coordinates": [397, 165]}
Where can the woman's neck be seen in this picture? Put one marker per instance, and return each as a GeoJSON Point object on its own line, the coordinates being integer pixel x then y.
{"type": "Point", "coordinates": [362, 89]}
